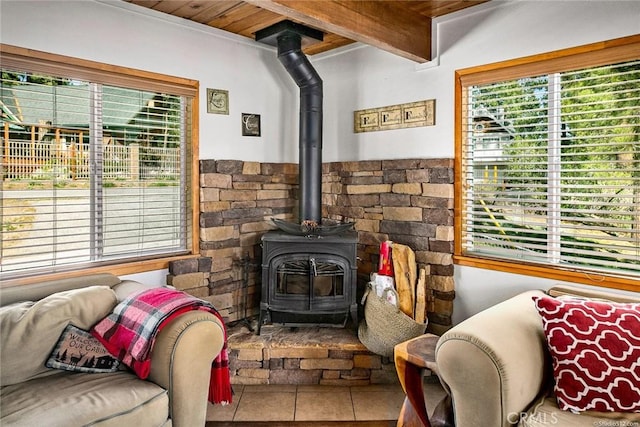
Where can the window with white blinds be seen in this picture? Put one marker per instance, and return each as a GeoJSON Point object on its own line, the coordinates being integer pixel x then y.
{"type": "Point", "coordinates": [550, 169]}
{"type": "Point", "coordinates": [92, 173]}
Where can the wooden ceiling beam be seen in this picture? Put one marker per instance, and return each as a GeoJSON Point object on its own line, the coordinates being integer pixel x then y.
{"type": "Point", "coordinates": [383, 24]}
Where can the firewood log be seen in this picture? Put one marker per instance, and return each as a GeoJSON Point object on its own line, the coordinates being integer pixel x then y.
{"type": "Point", "coordinates": [421, 297]}
{"type": "Point", "coordinates": [405, 272]}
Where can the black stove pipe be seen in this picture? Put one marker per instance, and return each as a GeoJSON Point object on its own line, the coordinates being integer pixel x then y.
{"type": "Point", "coordinates": [310, 140]}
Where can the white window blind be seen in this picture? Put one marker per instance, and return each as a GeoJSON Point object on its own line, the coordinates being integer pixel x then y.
{"type": "Point", "coordinates": [92, 173]}
{"type": "Point", "coordinates": [551, 169]}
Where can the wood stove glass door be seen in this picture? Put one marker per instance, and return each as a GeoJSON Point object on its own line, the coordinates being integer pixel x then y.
{"type": "Point", "coordinates": [310, 282]}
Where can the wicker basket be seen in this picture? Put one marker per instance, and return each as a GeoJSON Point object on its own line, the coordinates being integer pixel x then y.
{"type": "Point", "coordinates": [384, 325]}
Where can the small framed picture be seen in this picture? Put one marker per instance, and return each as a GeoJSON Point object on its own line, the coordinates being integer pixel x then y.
{"type": "Point", "coordinates": [250, 124]}
{"type": "Point", "coordinates": [217, 101]}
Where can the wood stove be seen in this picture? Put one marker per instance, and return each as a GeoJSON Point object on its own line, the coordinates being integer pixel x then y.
{"type": "Point", "coordinates": [309, 268]}
{"type": "Point", "coordinates": [309, 280]}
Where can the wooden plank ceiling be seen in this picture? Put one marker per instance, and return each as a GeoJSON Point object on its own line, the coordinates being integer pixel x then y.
{"type": "Point", "coordinates": [397, 26]}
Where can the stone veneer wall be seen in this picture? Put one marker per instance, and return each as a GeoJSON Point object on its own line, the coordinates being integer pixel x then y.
{"type": "Point", "coordinates": [237, 201]}
{"type": "Point", "coordinates": [408, 201]}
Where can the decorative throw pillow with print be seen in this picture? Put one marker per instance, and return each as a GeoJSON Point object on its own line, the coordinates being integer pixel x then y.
{"type": "Point", "coordinates": [78, 350]}
{"type": "Point", "coordinates": [595, 349]}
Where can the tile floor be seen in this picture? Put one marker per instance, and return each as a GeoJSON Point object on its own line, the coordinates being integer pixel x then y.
{"type": "Point", "coordinates": [318, 403]}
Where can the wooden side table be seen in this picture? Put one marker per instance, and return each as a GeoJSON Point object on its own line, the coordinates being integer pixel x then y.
{"type": "Point", "coordinates": [411, 358]}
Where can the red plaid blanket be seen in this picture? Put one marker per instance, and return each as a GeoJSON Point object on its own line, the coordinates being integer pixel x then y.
{"type": "Point", "coordinates": [129, 332]}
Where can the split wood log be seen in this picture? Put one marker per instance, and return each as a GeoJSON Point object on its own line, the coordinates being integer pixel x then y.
{"type": "Point", "coordinates": [405, 272]}
{"type": "Point", "coordinates": [421, 297]}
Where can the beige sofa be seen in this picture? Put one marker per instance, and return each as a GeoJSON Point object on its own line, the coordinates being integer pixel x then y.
{"type": "Point", "coordinates": [175, 394]}
{"type": "Point", "coordinates": [496, 367]}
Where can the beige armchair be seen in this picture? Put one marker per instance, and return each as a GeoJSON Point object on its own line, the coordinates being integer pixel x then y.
{"type": "Point", "coordinates": [497, 369]}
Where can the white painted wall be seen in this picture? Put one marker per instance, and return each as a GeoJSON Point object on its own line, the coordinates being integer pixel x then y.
{"type": "Point", "coordinates": [157, 277]}
{"type": "Point", "coordinates": [477, 289]}
{"type": "Point", "coordinates": [356, 77]}
{"type": "Point", "coordinates": [491, 32]}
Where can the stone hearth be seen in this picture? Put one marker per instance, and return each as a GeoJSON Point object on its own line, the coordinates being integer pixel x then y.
{"type": "Point", "coordinates": [305, 355]}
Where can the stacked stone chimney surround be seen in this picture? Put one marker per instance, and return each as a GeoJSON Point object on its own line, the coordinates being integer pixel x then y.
{"type": "Point", "coordinates": [408, 201]}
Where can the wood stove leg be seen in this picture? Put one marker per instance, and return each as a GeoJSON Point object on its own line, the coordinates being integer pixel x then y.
{"type": "Point", "coordinates": [260, 320]}
{"type": "Point", "coordinates": [354, 316]}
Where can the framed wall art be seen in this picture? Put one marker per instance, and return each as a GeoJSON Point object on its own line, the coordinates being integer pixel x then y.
{"type": "Point", "coordinates": [400, 116]}
{"type": "Point", "coordinates": [250, 124]}
{"type": "Point", "coordinates": [217, 101]}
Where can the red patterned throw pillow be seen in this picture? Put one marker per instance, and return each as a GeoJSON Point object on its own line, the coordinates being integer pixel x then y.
{"type": "Point", "coordinates": [595, 347]}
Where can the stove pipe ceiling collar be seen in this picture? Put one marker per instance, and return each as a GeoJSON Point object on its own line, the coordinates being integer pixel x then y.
{"type": "Point", "coordinates": [287, 36]}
